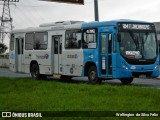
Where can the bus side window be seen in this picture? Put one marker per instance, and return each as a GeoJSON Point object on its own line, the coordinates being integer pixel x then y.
{"type": "Point", "coordinates": [73, 39]}
{"type": "Point", "coordinates": [89, 38]}
{"type": "Point", "coordinates": [41, 41]}
{"type": "Point", "coordinates": [18, 46]}
{"type": "Point", "coordinates": [12, 42]}
{"type": "Point", "coordinates": [29, 41]}
{"type": "Point", "coordinates": [109, 43]}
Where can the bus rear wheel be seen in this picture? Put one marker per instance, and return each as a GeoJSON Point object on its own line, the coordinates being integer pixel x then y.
{"type": "Point", "coordinates": [126, 81]}
{"type": "Point", "coordinates": [92, 76]}
{"type": "Point", "coordinates": [35, 71]}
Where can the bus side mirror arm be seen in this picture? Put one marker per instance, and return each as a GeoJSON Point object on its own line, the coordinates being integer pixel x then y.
{"type": "Point", "coordinates": [119, 37]}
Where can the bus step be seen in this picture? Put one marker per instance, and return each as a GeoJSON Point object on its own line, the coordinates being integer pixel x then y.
{"type": "Point", "coordinates": [57, 75]}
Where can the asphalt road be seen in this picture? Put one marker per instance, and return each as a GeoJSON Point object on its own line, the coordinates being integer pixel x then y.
{"type": "Point", "coordinates": [144, 82]}
{"type": "Point", "coordinates": [5, 72]}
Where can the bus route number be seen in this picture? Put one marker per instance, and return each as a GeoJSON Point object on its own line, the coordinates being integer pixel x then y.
{"type": "Point", "coordinates": [91, 31]}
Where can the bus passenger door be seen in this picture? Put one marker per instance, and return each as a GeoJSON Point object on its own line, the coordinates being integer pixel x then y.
{"type": "Point", "coordinates": [57, 51]}
{"type": "Point", "coordinates": [106, 54]}
{"type": "Point", "coordinates": [19, 54]}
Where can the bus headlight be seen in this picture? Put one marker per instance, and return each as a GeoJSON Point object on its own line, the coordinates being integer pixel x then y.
{"type": "Point", "coordinates": [124, 66]}
{"type": "Point", "coordinates": [156, 67]}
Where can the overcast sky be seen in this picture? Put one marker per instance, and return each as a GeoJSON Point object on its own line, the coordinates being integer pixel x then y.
{"type": "Point", "coordinates": [31, 13]}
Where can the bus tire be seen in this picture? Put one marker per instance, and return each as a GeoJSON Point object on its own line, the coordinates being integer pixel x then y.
{"type": "Point", "coordinates": [126, 81]}
{"type": "Point", "coordinates": [92, 76]}
{"type": "Point", "coordinates": [35, 71]}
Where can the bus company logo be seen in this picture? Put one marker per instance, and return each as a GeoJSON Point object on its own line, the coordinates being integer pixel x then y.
{"type": "Point", "coordinates": [46, 56]}
{"type": "Point", "coordinates": [72, 56]}
{"type": "Point", "coordinates": [71, 70]}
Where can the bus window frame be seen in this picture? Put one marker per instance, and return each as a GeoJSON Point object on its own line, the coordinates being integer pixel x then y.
{"type": "Point", "coordinates": [35, 39]}
{"type": "Point", "coordinates": [75, 31]}
{"type": "Point", "coordinates": [96, 36]}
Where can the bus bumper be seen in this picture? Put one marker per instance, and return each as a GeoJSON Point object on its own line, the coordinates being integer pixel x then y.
{"type": "Point", "coordinates": [126, 73]}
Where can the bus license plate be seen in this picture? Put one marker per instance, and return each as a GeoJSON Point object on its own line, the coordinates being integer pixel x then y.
{"type": "Point", "coordinates": [142, 76]}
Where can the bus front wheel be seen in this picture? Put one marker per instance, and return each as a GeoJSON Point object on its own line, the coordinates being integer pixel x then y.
{"type": "Point", "coordinates": [92, 76]}
{"type": "Point", "coordinates": [35, 71]}
{"type": "Point", "coordinates": [126, 80]}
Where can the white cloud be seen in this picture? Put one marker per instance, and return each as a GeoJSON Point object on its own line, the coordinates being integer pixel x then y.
{"type": "Point", "coordinates": [125, 9]}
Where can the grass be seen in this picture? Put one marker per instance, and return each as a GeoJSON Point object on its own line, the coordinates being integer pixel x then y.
{"type": "Point", "coordinates": [24, 94]}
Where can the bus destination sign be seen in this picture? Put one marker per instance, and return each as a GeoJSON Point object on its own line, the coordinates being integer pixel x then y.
{"type": "Point", "coordinates": [132, 26]}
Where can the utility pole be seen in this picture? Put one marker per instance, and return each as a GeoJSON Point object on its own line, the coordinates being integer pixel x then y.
{"type": "Point", "coordinates": [6, 20]}
{"type": "Point", "coordinates": [96, 10]}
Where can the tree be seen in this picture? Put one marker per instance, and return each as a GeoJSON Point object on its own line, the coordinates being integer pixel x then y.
{"type": "Point", "coordinates": [3, 48]}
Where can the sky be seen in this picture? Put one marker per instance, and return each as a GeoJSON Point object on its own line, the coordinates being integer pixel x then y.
{"type": "Point", "coordinates": [32, 13]}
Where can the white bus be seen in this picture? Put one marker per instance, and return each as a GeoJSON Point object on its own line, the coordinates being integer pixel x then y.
{"type": "Point", "coordinates": [39, 50]}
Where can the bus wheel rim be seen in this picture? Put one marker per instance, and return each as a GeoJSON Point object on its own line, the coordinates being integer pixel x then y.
{"type": "Point", "coordinates": [93, 75]}
{"type": "Point", "coordinates": [35, 72]}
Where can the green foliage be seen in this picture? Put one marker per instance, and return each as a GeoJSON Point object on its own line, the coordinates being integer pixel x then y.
{"type": "Point", "coordinates": [3, 48]}
{"type": "Point", "coordinates": [24, 94]}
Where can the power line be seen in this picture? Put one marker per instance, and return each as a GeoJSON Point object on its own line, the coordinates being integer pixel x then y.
{"type": "Point", "coordinates": [6, 20]}
{"type": "Point", "coordinates": [31, 16]}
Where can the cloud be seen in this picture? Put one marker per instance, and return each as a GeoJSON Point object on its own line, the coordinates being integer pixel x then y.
{"type": "Point", "coordinates": [137, 9]}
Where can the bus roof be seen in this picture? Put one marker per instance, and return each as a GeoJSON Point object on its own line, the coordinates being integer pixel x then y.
{"type": "Point", "coordinates": [108, 23]}
{"type": "Point", "coordinates": [75, 25]}
{"type": "Point", "coordinates": [46, 27]}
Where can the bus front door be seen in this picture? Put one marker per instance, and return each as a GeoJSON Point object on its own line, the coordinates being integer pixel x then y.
{"type": "Point", "coordinates": [106, 54]}
{"type": "Point", "coordinates": [19, 54]}
{"type": "Point", "coordinates": [57, 57]}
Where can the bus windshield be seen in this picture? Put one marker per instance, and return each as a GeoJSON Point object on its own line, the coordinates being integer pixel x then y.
{"type": "Point", "coordinates": [138, 44]}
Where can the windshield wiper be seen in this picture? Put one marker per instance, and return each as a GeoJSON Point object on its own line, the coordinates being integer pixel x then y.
{"type": "Point", "coordinates": [135, 39]}
{"type": "Point", "coordinates": [142, 48]}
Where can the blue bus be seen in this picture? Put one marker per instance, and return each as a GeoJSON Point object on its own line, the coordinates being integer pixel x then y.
{"type": "Point", "coordinates": [118, 49]}
{"type": "Point", "coordinates": [124, 49]}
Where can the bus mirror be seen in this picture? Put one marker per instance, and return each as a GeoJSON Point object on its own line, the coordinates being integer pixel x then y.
{"type": "Point", "coordinates": [119, 37]}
